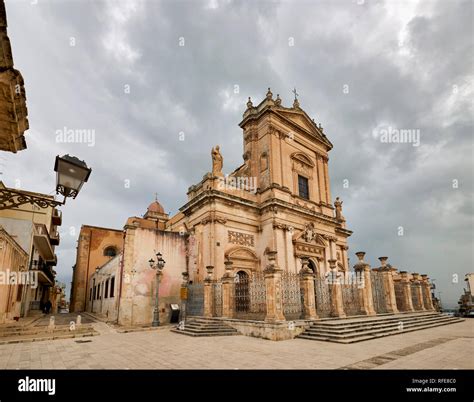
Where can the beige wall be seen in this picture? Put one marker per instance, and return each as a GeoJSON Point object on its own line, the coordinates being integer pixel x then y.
{"type": "Point", "coordinates": [105, 304]}
{"type": "Point", "coordinates": [137, 294]}
{"type": "Point", "coordinates": [12, 259]}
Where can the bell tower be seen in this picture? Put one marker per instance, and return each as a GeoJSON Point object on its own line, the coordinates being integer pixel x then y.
{"type": "Point", "coordinates": [288, 154]}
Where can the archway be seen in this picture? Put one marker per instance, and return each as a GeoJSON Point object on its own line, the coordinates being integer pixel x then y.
{"type": "Point", "coordinates": [242, 294]}
{"type": "Point", "coordinates": [313, 266]}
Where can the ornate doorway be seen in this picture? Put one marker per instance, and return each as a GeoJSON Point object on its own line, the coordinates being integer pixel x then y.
{"type": "Point", "coordinates": [242, 294]}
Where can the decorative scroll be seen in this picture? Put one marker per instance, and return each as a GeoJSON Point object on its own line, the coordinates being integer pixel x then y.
{"type": "Point", "coordinates": [195, 301]}
{"type": "Point", "coordinates": [11, 199]}
{"type": "Point", "coordinates": [378, 292]}
{"type": "Point", "coordinates": [217, 292]}
{"type": "Point", "coordinates": [351, 300]}
{"type": "Point", "coordinates": [250, 296]}
{"type": "Point", "coordinates": [258, 293]}
{"type": "Point", "coordinates": [291, 296]}
{"type": "Point", "coordinates": [241, 239]}
{"type": "Point", "coordinates": [322, 295]}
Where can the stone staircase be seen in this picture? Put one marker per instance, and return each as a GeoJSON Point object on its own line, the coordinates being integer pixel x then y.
{"type": "Point", "coordinates": [359, 329]}
{"type": "Point", "coordinates": [28, 333]}
{"type": "Point", "coordinates": [200, 326]}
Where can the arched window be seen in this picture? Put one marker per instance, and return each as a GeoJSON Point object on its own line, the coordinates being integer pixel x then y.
{"type": "Point", "coordinates": [110, 251]}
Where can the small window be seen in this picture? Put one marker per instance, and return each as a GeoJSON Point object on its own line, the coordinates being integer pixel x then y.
{"type": "Point", "coordinates": [112, 286]}
{"type": "Point", "coordinates": [106, 292]}
{"type": "Point", "coordinates": [95, 293]}
{"type": "Point", "coordinates": [90, 294]}
{"type": "Point", "coordinates": [98, 291]}
{"type": "Point", "coordinates": [303, 187]}
{"type": "Point", "coordinates": [110, 251]}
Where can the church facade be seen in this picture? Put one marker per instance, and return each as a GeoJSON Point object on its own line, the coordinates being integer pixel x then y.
{"type": "Point", "coordinates": [278, 199]}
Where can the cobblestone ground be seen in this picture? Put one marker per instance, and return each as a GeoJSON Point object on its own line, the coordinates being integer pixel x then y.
{"type": "Point", "coordinates": [449, 347]}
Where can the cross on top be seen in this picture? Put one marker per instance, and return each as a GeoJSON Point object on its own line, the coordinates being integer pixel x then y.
{"type": "Point", "coordinates": [296, 93]}
{"type": "Point", "coordinates": [156, 197]}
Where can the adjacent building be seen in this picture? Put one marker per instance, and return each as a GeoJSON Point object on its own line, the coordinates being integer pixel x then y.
{"type": "Point", "coordinates": [13, 265]}
{"type": "Point", "coordinates": [95, 247]}
{"type": "Point", "coordinates": [13, 111]}
{"type": "Point", "coordinates": [35, 230]}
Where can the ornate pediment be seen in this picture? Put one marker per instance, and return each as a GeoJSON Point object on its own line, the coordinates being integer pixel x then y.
{"type": "Point", "coordinates": [309, 236]}
{"type": "Point", "coordinates": [300, 119]}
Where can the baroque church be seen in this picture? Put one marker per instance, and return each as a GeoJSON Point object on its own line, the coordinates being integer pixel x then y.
{"type": "Point", "coordinates": [261, 246]}
{"type": "Point", "coordinates": [286, 154]}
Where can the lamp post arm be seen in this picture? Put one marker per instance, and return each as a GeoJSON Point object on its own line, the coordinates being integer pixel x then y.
{"type": "Point", "coordinates": [11, 199]}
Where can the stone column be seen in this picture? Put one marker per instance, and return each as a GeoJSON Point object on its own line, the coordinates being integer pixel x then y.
{"type": "Point", "coordinates": [184, 296]}
{"type": "Point", "coordinates": [272, 275]}
{"type": "Point", "coordinates": [426, 286]}
{"type": "Point", "coordinates": [417, 283]}
{"type": "Point", "coordinates": [406, 286]}
{"type": "Point", "coordinates": [337, 308]}
{"type": "Point", "coordinates": [389, 286]}
{"type": "Point", "coordinates": [364, 282]}
{"type": "Point", "coordinates": [307, 289]}
{"type": "Point", "coordinates": [227, 290]}
{"type": "Point", "coordinates": [208, 293]}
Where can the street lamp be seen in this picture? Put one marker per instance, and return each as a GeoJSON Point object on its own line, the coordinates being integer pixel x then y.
{"type": "Point", "coordinates": [71, 174]}
{"type": "Point", "coordinates": [159, 266]}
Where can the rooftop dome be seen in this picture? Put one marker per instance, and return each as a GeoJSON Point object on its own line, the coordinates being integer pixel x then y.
{"type": "Point", "coordinates": [156, 207]}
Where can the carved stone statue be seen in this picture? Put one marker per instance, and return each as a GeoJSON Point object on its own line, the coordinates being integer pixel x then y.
{"type": "Point", "coordinates": [309, 233]}
{"type": "Point", "coordinates": [338, 206]}
{"type": "Point", "coordinates": [217, 161]}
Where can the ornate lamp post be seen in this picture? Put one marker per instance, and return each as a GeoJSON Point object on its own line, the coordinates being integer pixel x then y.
{"type": "Point", "coordinates": [159, 266]}
{"type": "Point", "coordinates": [71, 174]}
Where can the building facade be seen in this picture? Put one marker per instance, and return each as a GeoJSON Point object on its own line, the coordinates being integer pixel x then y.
{"type": "Point", "coordinates": [13, 266]}
{"type": "Point", "coordinates": [95, 247]}
{"type": "Point", "coordinates": [36, 231]}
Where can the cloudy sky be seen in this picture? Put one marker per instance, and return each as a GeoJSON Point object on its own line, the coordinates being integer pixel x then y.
{"type": "Point", "coordinates": [141, 75]}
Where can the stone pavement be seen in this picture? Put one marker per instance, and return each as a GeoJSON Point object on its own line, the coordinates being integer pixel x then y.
{"type": "Point", "coordinates": [449, 346]}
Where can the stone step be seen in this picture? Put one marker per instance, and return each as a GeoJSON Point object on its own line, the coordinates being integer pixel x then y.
{"type": "Point", "coordinates": [210, 331]}
{"type": "Point", "coordinates": [368, 325]}
{"type": "Point", "coordinates": [198, 325]}
{"type": "Point", "coordinates": [360, 337]}
{"type": "Point", "coordinates": [376, 319]}
{"type": "Point", "coordinates": [374, 330]}
{"type": "Point", "coordinates": [189, 333]}
{"type": "Point", "coordinates": [206, 327]}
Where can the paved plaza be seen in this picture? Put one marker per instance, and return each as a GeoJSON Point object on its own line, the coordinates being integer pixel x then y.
{"type": "Point", "coordinates": [446, 347]}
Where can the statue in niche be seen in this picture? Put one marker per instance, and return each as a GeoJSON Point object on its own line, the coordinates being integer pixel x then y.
{"type": "Point", "coordinates": [309, 233]}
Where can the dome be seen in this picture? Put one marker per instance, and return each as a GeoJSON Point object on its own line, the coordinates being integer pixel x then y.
{"type": "Point", "coordinates": [156, 207]}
